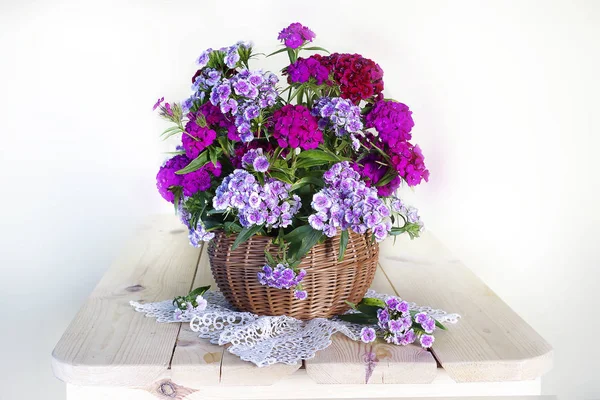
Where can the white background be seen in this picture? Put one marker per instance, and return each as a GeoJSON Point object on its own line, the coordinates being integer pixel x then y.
{"type": "Point", "coordinates": [505, 100]}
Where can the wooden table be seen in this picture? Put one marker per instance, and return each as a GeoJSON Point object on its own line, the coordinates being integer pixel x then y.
{"type": "Point", "coordinates": [112, 352]}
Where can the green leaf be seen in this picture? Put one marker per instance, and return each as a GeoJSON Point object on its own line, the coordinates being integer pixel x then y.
{"type": "Point", "coordinates": [439, 325]}
{"type": "Point", "coordinates": [281, 176]}
{"type": "Point", "coordinates": [317, 155]}
{"type": "Point", "coordinates": [232, 227]}
{"type": "Point", "coordinates": [343, 244]}
{"type": "Point", "coordinates": [171, 131]}
{"type": "Point", "coordinates": [245, 234]}
{"type": "Point", "coordinates": [352, 305]}
{"type": "Point", "coordinates": [277, 52]}
{"type": "Point", "coordinates": [198, 291]}
{"type": "Point", "coordinates": [368, 310]}
{"type": "Point", "coordinates": [307, 163]}
{"type": "Point", "coordinates": [298, 249]}
{"type": "Point", "coordinates": [315, 48]}
{"type": "Point", "coordinates": [270, 259]}
{"type": "Point", "coordinates": [397, 231]}
{"type": "Point", "coordinates": [370, 301]}
{"type": "Point", "coordinates": [195, 164]}
{"type": "Point", "coordinates": [387, 178]}
{"type": "Point", "coordinates": [213, 153]}
{"type": "Point", "coordinates": [299, 232]}
{"type": "Point", "coordinates": [307, 180]}
{"type": "Point", "coordinates": [358, 319]}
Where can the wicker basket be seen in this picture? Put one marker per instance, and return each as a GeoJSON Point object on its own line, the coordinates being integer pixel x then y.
{"type": "Point", "coordinates": [329, 283]}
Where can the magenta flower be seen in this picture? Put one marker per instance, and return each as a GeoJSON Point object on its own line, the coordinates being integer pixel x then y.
{"type": "Point", "coordinates": [167, 179]}
{"type": "Point", "coordinates": [196, 138]}
{"type": "Point", "coordinates": [295, 127]}
{"type": "Point", "coordinates": [296, 35]}
{"type": "Point", "coordinates": [157, 104]}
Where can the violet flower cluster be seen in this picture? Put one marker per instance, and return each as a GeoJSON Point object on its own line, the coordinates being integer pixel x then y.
{"type": "Point", "coordinates": [296, 35]}
{"type": "Point", "coordinates": [283, 277]}
{"type": "Point", "coordinates": [244, 96]}
{"type": "Point", "coordinates": [270, 204]}
{"type": "Point", "coordinates": [338, 114]}
{"type": "Point", "coordinates": [254, 158]}
{"type": "Point", "coordinates": [191, 183]}
{"type": "Point", "coordinates": [409, 213]}
{"type": "Point", "coordinates": [231, 53]}
{"type": "Point", "coordinates": [306, 68]}
{"type": "Point", "coordinates": [398, 326]}
{"type": "Point", "coordinates": [346, 202]}
{"type": "Point", "coordinates": [294, 127]}
{"type": "Point", "coordinates": [393, 122]}
{"type": "Point", "coordinates": [197, 234]}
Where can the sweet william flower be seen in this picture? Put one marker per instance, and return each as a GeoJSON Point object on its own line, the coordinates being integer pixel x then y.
{"type": "Point", "coordinates": [367, 335]}
{"type": "Point", "coordinates": [300, 294]}
{"type": "Point", "coordinates": [202, 303]}
{"type": "Point", "coordinates": [167, 177]}
{"type": "Point", "coordinates": [294, 126]}
{"type": "Point", "coordinates": [157, 104]}
{"type": "Point", "coordinates": [426, 341]}
{"type": "Point", "coordinates": [296, 35]}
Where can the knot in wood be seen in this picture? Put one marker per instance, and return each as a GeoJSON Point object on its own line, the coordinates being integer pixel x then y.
{"type": "Point", "coordinates": [167, 389]}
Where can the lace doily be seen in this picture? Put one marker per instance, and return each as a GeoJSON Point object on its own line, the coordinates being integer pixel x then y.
{"type": "Point", "coordinates": [265, 340]}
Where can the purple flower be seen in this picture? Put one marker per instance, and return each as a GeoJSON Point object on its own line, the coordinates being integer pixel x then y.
{"type": "Point", "coordinates": [392, 302]}
{"type": "Point", "coordinates": [426, 341]}
{"type": "Point", "coordinates": [204, 57]}
{"type": "Point", "coordinates": [199, 235]}
{"type": "Point", "coordinates": [167, 179]}
{"type": "Point", "coordinates": [383, 316]}
{"type": "Point", "coordinates": [157, 104]}
{"type": "Point", "coordinates": [270, 204]}
{"type": "Point", "coordinates": [428, 325]}
{"type": "Point", "coordinates": [346, 202]}
{"type": "Point", "coordinates": [296, 35]}
{"type": "Point", "coordinates": [409, 337]}
{"type": "Point", "coordinates": [300, 294]}
{"type": "Point", "coordinates": [232, 58]}
{"type": "Point", "coordinates": [261, 164]}
{"type": "Point", "coordinates": [367, 335]}
{"type": "Point", "coordinates": [396, 326]}
{"type": "Point", "coordinates": [402, 307]}
{"type": "Point", "coordinates": [421, 317]}
{"type": "Point", "coordinates": [281, 277]}
{"type": "Point", "coordinates": [338, 114]}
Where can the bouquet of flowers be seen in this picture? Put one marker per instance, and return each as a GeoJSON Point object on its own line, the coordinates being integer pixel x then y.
{"type": "Point", "coordinates": [302, 159]}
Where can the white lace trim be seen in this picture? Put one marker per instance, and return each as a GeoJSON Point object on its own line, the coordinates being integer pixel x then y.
{"type": "Point", "coordinates": [265, 340]}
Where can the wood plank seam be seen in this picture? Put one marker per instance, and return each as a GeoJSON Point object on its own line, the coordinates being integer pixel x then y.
{"type": "Point", "coordinates": [439, 364]}
{"type": "Point", "coordinates": [191, 288]}
{"type": "Point", "coordinates": [492, 343]}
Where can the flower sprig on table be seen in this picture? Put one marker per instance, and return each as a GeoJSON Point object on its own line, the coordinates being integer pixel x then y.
{"type": "Point", "coordinates": [393, 321]}
{"type": "Point", "coordinates": [323, 156]}
{"type": "Point", "coordinates": [193, 300]}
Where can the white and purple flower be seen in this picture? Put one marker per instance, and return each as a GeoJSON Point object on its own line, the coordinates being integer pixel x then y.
{"type": "Point", "coordinates": [346, 202]}
{"type": "Point", "coordinates": [270, 204]}
{"type": "Point", "coordinates": [368, 335]}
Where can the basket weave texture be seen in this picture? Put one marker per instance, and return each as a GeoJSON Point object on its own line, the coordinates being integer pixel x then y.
{"type": "Point", "coordinates": [329, 282]}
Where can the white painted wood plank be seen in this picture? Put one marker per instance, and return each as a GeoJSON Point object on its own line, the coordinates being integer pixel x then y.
{"type": "Point", "coordinates": [491, 342]}
{"type": "Point", "coordinates": [197, 363]}
{"type": "Point", "coordinates": [107, 342]}
{"type": "Point", "coordinates": [350, 362]}
{"type": "Point", "coordinates": [300, 386]}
